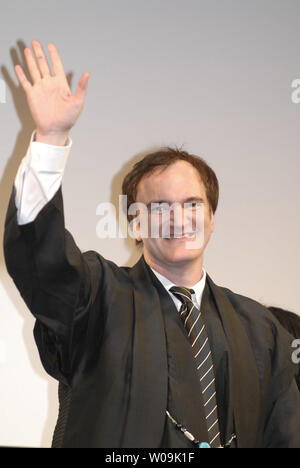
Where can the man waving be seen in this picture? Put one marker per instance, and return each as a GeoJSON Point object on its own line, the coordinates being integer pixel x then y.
{"type": "Point", "coordinates": [156, 355]}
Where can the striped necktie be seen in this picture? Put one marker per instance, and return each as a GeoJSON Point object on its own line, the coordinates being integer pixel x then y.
{"type": "Point", "coordinates": [195, 327]}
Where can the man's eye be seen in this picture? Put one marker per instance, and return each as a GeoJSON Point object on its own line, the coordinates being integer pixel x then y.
{"type": "Point", "coordinates": [193, 205]}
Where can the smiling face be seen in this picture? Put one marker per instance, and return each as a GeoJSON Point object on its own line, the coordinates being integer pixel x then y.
{"type": "Point", "coordinates": [178, 183]}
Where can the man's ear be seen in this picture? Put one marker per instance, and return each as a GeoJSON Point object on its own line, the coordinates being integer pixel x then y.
{"type": "Point", "coordinates": [135, 228]}
{"type": "Point", "coordinates": [139, 223]}
{"type": "Point", "coordinates": [138, 232]}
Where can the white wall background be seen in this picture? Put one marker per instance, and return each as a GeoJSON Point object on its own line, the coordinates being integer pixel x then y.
{"type": "Point", "coordinates": [214, 75]}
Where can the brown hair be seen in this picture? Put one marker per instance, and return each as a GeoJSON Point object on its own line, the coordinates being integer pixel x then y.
{"type": "Point", "coordinates": [165, 157]}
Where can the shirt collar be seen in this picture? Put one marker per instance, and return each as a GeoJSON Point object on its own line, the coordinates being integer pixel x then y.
{"type": "Point", "coordinates": [198, 288]}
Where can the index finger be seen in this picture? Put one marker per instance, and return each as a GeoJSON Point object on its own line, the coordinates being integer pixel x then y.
{"type": "Point", "coordinates": [57, 65]}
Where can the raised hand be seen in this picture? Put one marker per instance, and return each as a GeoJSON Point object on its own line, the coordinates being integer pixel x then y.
{"type": "Point", "coordinates": [53, 107]}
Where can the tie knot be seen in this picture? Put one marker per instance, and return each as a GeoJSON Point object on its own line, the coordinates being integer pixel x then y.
{"type": "Point", "coordinates": [183, 294]}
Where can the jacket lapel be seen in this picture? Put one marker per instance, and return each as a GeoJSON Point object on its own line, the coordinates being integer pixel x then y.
{"type": "Point", "coordinates": [244, 391]}
{"type": "Point", "coordinates": [149, 378]}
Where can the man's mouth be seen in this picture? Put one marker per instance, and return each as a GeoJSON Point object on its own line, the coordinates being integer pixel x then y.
{"type": "Point", "coordinates": [187, 235]}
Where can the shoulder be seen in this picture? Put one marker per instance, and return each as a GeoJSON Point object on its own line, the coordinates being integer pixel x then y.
{"type": "Point", "coordinates": [258, 319]}
{"type": "Point", "coordinates": [270, 341]}
{"type": "Point", "coordinates": [250, 310]}
{"type": "Point", "coordinates": [255, 313]}
{"type": "Point", "coordinates": [109, 268]}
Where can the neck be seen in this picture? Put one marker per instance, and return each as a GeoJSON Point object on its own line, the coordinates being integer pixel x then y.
{"type": "Point", "coordinates": [185, 274]}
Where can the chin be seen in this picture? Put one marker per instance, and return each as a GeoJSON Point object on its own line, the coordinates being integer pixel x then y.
{"type": "Point", "coordinates": [171, 251]}
{"type": "Point", "coordinates": [177, 252]}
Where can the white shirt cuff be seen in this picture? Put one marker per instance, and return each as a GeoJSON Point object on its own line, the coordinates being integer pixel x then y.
{"type": "Point", "coordinates": [48, 158]}
{"type": "Point", "coordinates": [39, 177]}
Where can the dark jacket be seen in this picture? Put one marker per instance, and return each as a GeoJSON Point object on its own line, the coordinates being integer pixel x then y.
{"type": "Point", "coordinates": [101, 331]}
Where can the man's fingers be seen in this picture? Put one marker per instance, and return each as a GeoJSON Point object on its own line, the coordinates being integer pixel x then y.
{"type": "Point", "coordinates": [41, 58]}
{"type": "Point", "coordinates": [57, 65]}
{"type": "Point", "coordinates": [31, 65]}
{"type": "Point", "coordinates": [82, 86]}
{"type": "Point", "coordinates": [22, 78]}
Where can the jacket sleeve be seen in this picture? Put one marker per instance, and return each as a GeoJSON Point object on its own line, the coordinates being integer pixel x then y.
{"type": "Point", "coordinates": [59, 284]}
{"type": "Point", "coordinates": [282, 425]}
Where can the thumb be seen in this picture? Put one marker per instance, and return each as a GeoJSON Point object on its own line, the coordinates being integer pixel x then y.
{"type": "Point", "coordinates": [82, 86]}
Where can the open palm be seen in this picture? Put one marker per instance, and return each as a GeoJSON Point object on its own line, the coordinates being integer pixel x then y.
{"type": "Point", "coordinates": [53, 106]}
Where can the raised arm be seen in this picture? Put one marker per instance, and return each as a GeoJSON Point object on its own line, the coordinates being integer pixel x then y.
{"type": "Point", "coordinates": [59, 284]}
